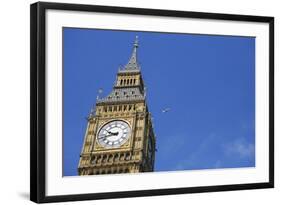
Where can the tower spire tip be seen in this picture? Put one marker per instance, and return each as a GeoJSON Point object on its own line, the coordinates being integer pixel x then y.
{"type": "Point", "coordinates": [136, 44]}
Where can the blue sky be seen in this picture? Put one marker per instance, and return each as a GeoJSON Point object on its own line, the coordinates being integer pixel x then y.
{"type": "Point", "coordinates": [208, 82]}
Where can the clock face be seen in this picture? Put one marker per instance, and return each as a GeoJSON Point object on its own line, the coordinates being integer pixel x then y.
{"type": "Point", "coordinates": [114, 134]}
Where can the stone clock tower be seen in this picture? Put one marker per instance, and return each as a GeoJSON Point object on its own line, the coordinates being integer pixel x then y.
{"type": "Point", "coordinates": [119, 137]}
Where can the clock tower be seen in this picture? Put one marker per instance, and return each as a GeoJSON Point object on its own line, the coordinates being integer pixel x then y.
{"type": "Point", "coordinates": [119, 137]}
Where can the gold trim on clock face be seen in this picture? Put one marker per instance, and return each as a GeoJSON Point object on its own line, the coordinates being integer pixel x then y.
{"type": "Point", "coordinates": [114, 134]}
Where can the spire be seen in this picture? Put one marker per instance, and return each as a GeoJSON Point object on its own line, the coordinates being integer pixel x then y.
{"type": "Point", "coordinates": [133, 63]}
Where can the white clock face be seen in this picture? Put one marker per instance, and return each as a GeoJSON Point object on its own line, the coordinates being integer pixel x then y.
{"type": "Point", "coordinates": [114, 134]}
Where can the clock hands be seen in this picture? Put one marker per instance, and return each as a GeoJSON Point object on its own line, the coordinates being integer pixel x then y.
{"type": "Point", "coordinates": [108, 134]}
{"type": "Point", "coordinates": [112, 133]}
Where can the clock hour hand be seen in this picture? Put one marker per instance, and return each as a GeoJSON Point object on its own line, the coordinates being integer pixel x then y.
{"type": "Point", "coordinates": [108, 132]}
{"type": "Point", "coordinates": [112, 133]}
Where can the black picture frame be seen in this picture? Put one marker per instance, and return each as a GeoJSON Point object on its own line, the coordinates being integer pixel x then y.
{"type": "Point", "coordinates": [38, 100]}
